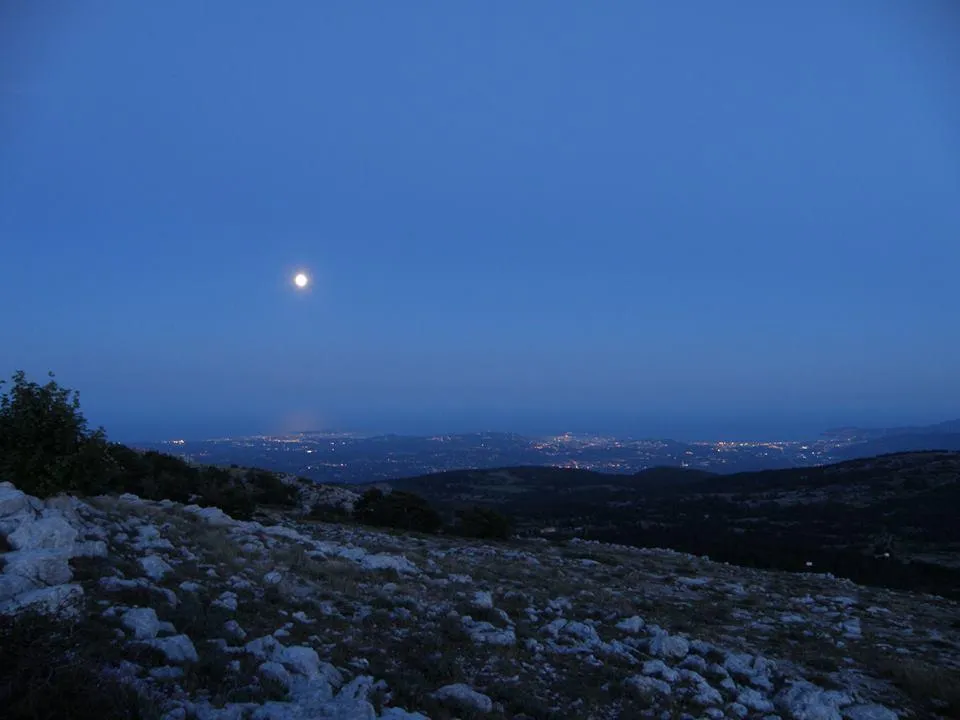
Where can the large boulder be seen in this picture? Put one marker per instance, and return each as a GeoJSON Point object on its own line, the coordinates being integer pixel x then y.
{"type": "Point", "coordinates": [50, 532]}
{"type": "Point", "coordinates": [12, 501]}
{"type": "Point", "coordinates": [57, 599]}
{"type": "Point", "coordinates": [802, 700]}
{"type": "Point", "coordinates": [464, 696]}
{"type": "Point", "coordinates": [178, 649]}
{"type": "Point", "coordinates": [143, 622]}
{"type": "Point", "coordinates": [41, 568]}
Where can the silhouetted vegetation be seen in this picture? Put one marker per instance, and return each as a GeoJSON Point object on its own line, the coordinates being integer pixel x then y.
{"type": "Point", "coordinates": [329, 513]}
{"type": "Point", "coordinates": [51, 666]}
{"type": "Point", "coordinates": [484, 523]}
{"type": "Point", "coordinates": [397, 509]}
{"type": "Point", "coordinates": [46, 448]}
{"type": "Point", "coordinates": [879, 521]}
{"type": "Point", "coordinates": [269, 489]}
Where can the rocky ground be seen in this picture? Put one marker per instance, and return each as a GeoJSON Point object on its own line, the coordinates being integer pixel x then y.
{"type": "Point", "coordinates": [210, 617]}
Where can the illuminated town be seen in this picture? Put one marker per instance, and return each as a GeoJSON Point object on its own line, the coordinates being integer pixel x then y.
{"type": "Point", "coordinates": [350, 458]}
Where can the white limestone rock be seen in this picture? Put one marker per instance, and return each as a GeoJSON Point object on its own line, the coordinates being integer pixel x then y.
{"type": "Point", "coordinates": [669, 646]}
{"type": "Point", "coordinates": [802, 700]}
{"type": "Point", "coordinates": [12, 501]}
{"type": "Point", "coordinates": [754, 700]}
{"type": "Point", "coordinates": [178, 649]}
{"type": "Point", "coordinates": [631, 625]}
{"type": "Point", "coordinates": [12, 585]}
{"type": "Point", "coordinates": [149, 538]}
{"type": "Point", "coordinates": [277, 673]}
{"type": "Point", "coordinates": [90, 548]}
{"type": "Point", "coordinates": [464, 696]}
{"type": "Point", "coordinates": [155, 567]}
{"type": "Point", "coordinates": [382, 561]}
{"type": "Point", "coordinates": [142, 622]}
{"type": "Point", "coordinates": [657, 668]}
{"type": "Point", "coordinates": [227, 600]}
{"type": "Point", "coordinates": [266, 647]}
{"type": "Point", "coordinates": [753, 669]}
{"type": "Point", "coordinates": [482, 599]}
{"type": "Point", "coordinates": [53, 600]}
{"type": "Point", "coordinates": [212, 515]}
{"type": "Point", "coordinates": [233, 629]}
{"type": "Point", "coordinates": [300, 659]}
{"type": "Point", "coordinates": [166, 672]}
{"type": "Point", "coordinates": [51, 532]}
{"type": "Point", "coordinates": [647, 686]}
{"type": "Point", "coordinates": [40, 568]}
{"type": "Point", "coordinates": [485, 633]}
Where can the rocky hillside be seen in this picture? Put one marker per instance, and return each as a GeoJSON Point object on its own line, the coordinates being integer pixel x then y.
{"type": "Point", "coordinates": [169, 610]}
{"type": "Point", "coordinates": [886, 521]}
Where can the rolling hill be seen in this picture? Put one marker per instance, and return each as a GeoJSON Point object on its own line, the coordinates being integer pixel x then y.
{"type": "Point", "coordinates": [887, 520]}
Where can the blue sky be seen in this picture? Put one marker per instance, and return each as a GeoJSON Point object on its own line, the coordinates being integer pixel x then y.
{"type": "Point", "coordinates": [688, 219]}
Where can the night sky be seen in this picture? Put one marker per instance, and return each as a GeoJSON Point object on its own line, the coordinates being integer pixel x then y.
{"type": "Point", "coordinates": [698, 220]}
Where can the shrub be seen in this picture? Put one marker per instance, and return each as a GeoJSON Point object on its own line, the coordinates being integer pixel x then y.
{"type": "Point", "coordinates": [328, 513]}
{"type": "Point", "coordinates": [269, 489]}
{"type": "Point", "coordinates": [50, 667]}
{"type": "Point", "coordinates": [484, 523]}
{"type": "Point", "coordinates": [45, 444]}
{"type": "Point", "coordinates": [397, 509]}
{"type": "Point", "coordinates": [47, 448]}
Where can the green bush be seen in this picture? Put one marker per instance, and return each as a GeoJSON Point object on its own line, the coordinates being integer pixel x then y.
{"type": "Point", "coordinates": [269, 489]}
{"type": "Point", "coordinates": [45, 444]}
{"type": "Point", "coordinates": [479, 522]}
{"type": "Point", "coordinates": [397, 509]}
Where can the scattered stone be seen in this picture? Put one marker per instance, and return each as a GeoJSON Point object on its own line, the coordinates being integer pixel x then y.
{"type": "Point", "coordinates": [277, 673]}
{"type": "Point", "coordinates": [166, 672]}
{"type": "Point", "coordinates": [669, 646]}
{"type": "Point", "coordinates": [227, 600]}
{"type": "Point", "coordinates": [481, 599]}
{"type": "Point", "coordinates": [233, 629]}
{"type": "Point", "coordinates": [464, 696]}
{"type": "Point", "coordinates": [142, 622]}
{"type": "Point", "coordinates": [802, 700]}
{"type": "Point", "coordinates": [648, 685]}
{"type": "Point", "coordinates": [178, 648]}
{"type": "Point", "coordinates": [657, 668]}
{"type": "Point", "coordinates": [631, 625]}
{"type": "Point", "coordinates": [155, 567]}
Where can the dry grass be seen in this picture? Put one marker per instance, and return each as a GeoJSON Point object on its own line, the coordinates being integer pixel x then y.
{"type": "Point", "coordinates": [924, 683]}
{"type": "Point", "coordinates": [51, 666]}
{"type": "Point", "coordinates": [406, 636]}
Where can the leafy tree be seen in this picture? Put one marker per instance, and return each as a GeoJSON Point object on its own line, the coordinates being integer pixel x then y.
{"type": "Point", "coordinates": [46, 446]}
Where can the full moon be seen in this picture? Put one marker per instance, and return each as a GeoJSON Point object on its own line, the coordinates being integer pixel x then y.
{"type": "Point", "coordinates": [301, 280]}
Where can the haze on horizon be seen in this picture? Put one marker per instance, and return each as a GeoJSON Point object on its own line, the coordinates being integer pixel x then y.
{"type": "Point", "coordinates": [737, 220]}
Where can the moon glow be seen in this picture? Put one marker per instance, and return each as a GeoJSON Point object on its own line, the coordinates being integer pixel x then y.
{"type": "Point", "coordinates": [301, 280]}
